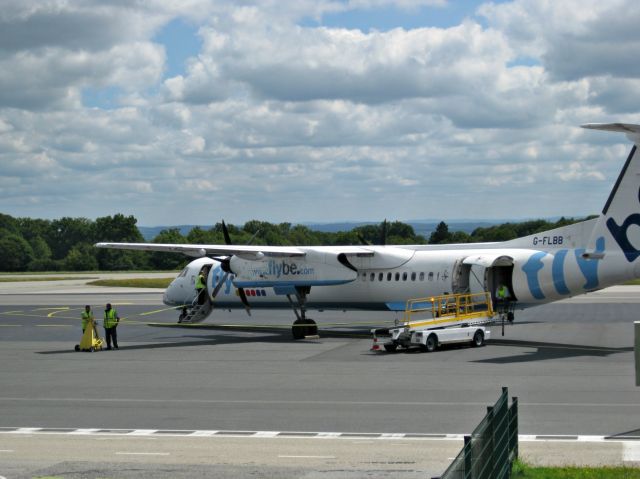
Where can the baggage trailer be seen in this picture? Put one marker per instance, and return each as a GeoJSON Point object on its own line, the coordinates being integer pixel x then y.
{"type": "Point", "coordinates": [446, 319]}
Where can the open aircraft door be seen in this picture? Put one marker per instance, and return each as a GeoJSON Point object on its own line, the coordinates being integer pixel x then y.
{"type": "Point", "coordinates": [485, 272]}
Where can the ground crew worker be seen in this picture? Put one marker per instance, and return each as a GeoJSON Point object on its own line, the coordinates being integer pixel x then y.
{"type": "Point", "coordinates": [200, 286]}
{"type": "Point", "coordinates": [87, 315]}
{"type": "Point", "coordinates": [111, 320]}
{"type": "Point", "coordinates": [502, 295]}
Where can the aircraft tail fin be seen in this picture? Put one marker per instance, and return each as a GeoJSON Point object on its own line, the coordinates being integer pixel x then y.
{"type": "Point", "coordinates": [622, 209]}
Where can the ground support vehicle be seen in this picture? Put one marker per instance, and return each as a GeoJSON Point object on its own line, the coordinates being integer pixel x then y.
{"type": "Point", "coordinates": [430, 322]}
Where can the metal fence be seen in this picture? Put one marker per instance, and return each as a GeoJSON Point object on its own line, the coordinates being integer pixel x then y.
{"type": "Point", "coordinates": [492, 447]}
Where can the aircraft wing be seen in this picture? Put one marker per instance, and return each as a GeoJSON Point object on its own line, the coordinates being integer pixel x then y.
{"type": "Point", "coordinates": [197, 250]}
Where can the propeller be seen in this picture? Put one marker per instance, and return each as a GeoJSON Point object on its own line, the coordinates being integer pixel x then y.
{"type": "Point", "coordinates": [225, 266]}
{"type": "Point", "coordinates": [383, 236]}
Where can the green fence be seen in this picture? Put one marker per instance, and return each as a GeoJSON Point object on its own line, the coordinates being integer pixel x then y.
{"type": "Point", "coordinates": [492, 447]}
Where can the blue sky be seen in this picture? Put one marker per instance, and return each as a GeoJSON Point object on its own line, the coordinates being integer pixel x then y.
{"type": "Point", "coordinates": [323, 111]}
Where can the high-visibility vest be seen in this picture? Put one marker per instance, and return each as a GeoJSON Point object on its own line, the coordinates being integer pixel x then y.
{"type": "Point", "coordinates": [502, 292]}
{"type": "Point", "coordinates": [85, 318]}
{"type": "Point", "coordinates": [200, 281]}
{"type": "Point", "coordinates": [110, 318]}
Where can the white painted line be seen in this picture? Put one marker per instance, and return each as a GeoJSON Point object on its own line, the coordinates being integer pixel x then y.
{"type": "Point", "coordinates": [268, 434]}
{"type": "Point", "coordinates": [351, 436]}
{"type": "Point", "coordinates": [203, 434]}
{"type": "Point", "coordinates": [141, 432]}
{"type": "Point", "coordinates": [631, 452]}
{"type": "Point", "coordinates": [7, 450]}
{"type": "Point", "coordinates": [142, 453]}
{"type": "Point", "coordinates": [307, 457]}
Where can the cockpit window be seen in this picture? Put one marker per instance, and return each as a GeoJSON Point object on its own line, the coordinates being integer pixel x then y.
{"type": "Point", "coordinates": [183, 273]}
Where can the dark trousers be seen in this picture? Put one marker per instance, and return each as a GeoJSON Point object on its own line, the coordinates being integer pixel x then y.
{"type": "Point", "coordinates": [111, 333]}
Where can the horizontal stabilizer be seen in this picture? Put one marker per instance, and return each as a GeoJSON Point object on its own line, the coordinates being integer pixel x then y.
{"type": "Point", "coordinates": [632, 130]}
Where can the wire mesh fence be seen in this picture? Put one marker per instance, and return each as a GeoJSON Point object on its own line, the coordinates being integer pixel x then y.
{"type": "Point", "coordinates": [492, 447]}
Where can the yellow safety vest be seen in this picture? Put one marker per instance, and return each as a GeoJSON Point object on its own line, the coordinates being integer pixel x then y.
{"type": "Point", "coordinates": [110, 318]}
{"type": "Point", "coordinates": [200, 281]}
{"type": "Point", "coordinates": [502, 292]}
{"type": "Point", "coordinates": [85, 318]}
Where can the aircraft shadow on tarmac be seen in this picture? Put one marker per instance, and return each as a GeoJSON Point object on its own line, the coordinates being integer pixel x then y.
{"type": "Point", "coordinates": [545, 351]}
{"type": "Point", "coordinates": [272, 335]}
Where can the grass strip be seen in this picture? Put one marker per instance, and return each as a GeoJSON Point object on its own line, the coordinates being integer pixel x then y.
{"type": "Point", "coordinates": [133, 282]}
{"type": "Point", "coordinates": [524, 471]}
{"type": "Point", "coordinates": [4, 279]}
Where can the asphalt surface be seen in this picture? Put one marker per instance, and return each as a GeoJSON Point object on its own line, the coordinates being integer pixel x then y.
{"type": "Point", "coordinates": [570, 364]}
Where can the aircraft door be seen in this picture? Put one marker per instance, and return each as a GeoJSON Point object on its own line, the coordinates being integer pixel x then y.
{"type": "Point", "coordinates": [477, 279]}
{"type": "Point", "coordinates": [498, 275]}
{"type": "Point", "coordinates": [460, 279]}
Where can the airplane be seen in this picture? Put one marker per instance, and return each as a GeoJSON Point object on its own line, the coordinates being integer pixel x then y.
{"type": "Point", "coordinates": [536, 269]}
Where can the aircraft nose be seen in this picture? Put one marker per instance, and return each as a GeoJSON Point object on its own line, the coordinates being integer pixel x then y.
{"type": "Point", "coordinates": [168, 297]}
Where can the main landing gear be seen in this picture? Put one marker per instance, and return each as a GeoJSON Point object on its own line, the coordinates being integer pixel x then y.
{"type": "Point", "coordinates": [302, 326]}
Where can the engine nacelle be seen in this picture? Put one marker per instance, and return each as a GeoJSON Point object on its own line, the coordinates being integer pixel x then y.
{"type": "Point", "coordinates": [314, 269]}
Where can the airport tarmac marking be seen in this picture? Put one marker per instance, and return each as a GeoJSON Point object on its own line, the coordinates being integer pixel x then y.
{"type": "Point", "coordinates": [123, 453]}
{"type": "Point", "coordinates": [632, 443]}
{"type": "Point", "coordinates": [285, 402]}
{"type": "Point", "coordinates": [160, 311]}
{"type": "Point", "coordinates": [59, 310]}
{"type": "Point", "coordinates": [306, 457]}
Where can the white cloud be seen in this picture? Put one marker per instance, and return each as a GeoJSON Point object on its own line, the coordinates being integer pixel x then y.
{"type": "Point", "coordinates": [279, 121]}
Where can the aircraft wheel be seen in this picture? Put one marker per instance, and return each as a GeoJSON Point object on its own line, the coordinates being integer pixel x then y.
{"type": "Point", "coordinates": [510, 316]}
{"type": "Point", "coordinates": [312, 329]}
{"type": "Point", "coordinates": [77, 348]}
{"type": "Point", "coordinates": [478, 339]}
{"type": "Point", "coordinates": [298, 330]}
{"type": "Point", "coordinates": [391, 348]}
{"type": "Point", "coordinates": [432, 343]}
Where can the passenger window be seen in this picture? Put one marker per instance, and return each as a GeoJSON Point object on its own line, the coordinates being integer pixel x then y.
{"type": "Point", "coordinates": [404, 276]}
{"type": "Point", "coordinates": [431, 276]}
{"type": "Point", "coordinates": [364, 276]}
{"type": "Point", "coordinates": [413, 276]}
{"type": "Point", "coordinates": [389, 275]}
{"type": "Point", "coordinates": [397, 276]}
{"type": "Point", "coordinates": [422, 276]}
{"type": "Point", "coordinates": [372, 277]}
{"type": "Point", "coordinates": [380, 276]}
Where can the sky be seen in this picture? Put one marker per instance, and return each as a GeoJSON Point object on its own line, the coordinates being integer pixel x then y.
{"type": "Point", "coordinates": [194, 111]}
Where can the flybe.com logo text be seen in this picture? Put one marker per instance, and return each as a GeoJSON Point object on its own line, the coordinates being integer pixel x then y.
{"type": "Point", "coordinates": [282, 268]}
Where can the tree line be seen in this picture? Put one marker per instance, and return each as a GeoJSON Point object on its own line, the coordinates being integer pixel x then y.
{"type": "Point", "coordinates": [66, 244]}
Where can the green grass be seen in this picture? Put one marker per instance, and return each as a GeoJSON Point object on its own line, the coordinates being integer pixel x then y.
{"type": "Point", "coordinates": [134, 282]}
{"type": "Point", "coordinates": [12, 279]}
{"type": "Point", "coordinates": [524, 471]}
{"type": "Point", "coordinates": [633, 282]}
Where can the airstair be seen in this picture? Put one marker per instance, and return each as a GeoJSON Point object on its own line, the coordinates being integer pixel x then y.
{"type": "Point", "coordinates": [196, 313]}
